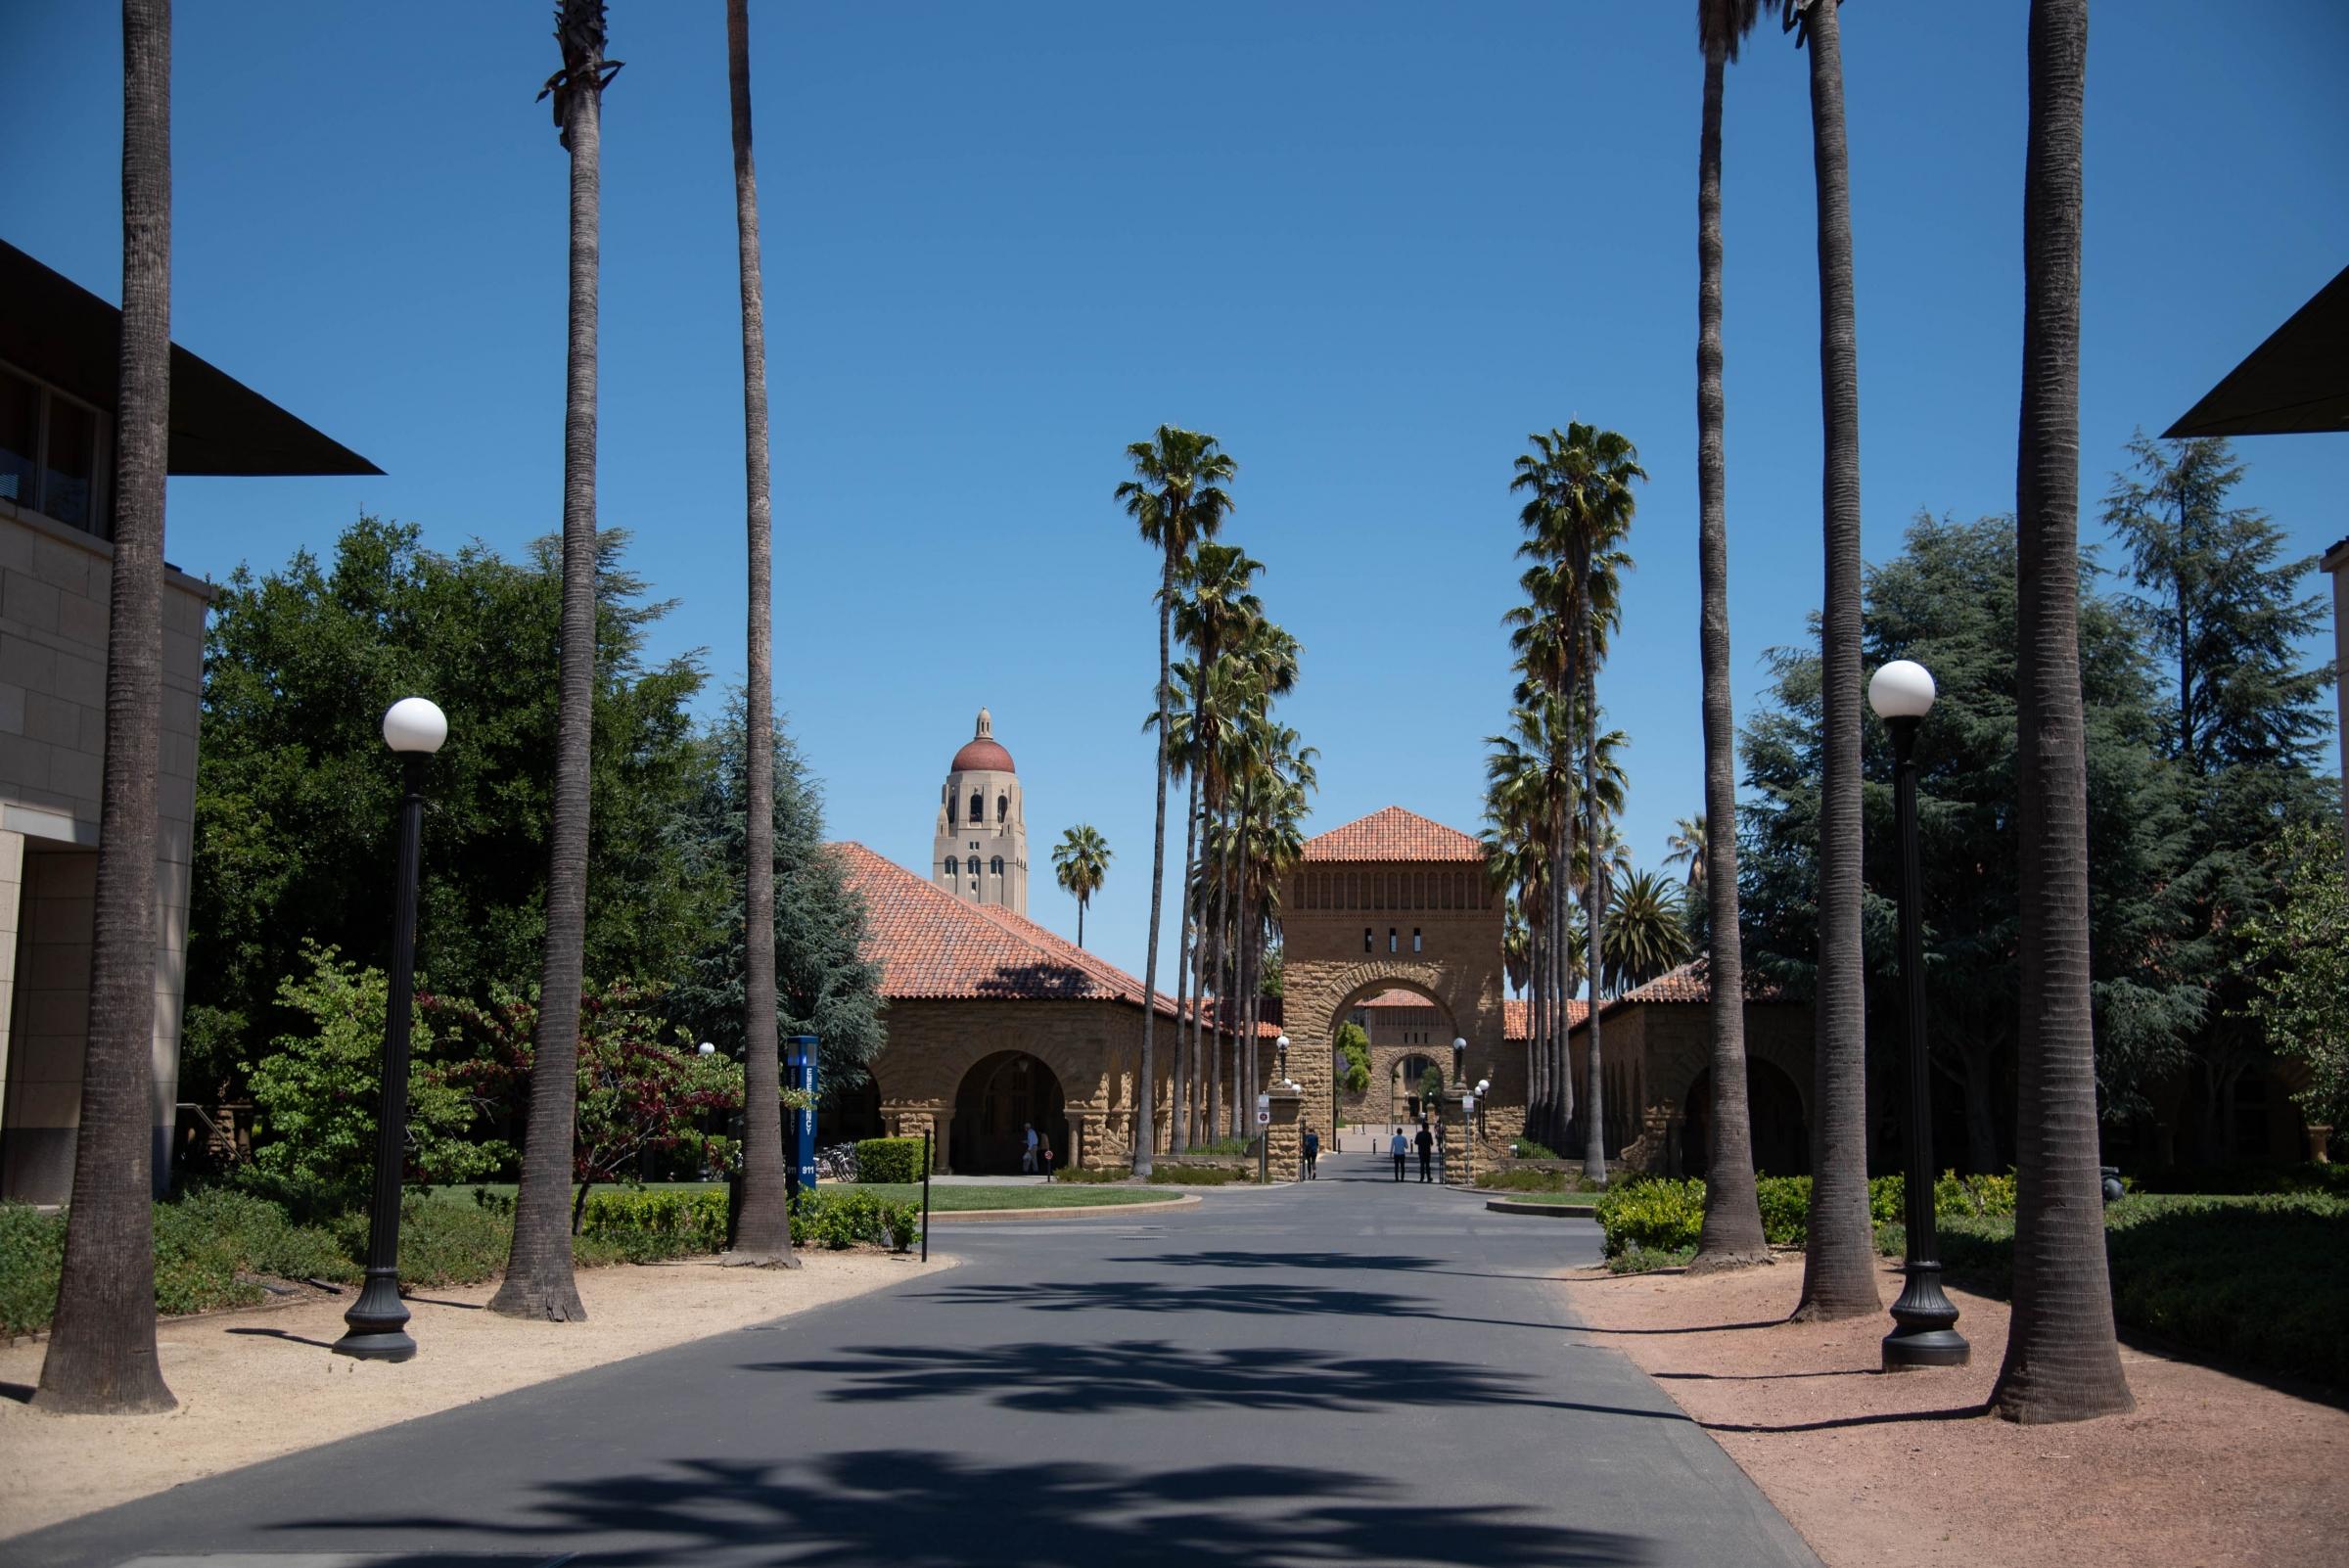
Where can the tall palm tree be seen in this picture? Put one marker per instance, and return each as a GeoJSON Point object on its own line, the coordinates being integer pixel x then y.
{"type": "Point", "coordinates": [1176, 500]}
{"type": "Point", "coordinates": [1732, 1235]}
{"type": "Point", "coordinates": [538, 1280]}
{"type": "Point", "coordinates": [763, 1229]}
{"type": "Point", "coordinates": [1081, 862]}
{"type": "Point", "coordinates": [1686, 847]}
{"type": "Point", "coordinates": [1182, 765]}
{"type": "Point", "coordinates": [2062, 1363]}
{"type": "Point", "coordinates": [1644, 934]}
{"type": "Point", "coordinates": [102, 1354]}
{"type": "Point", "coordinates": [1839, 1257]}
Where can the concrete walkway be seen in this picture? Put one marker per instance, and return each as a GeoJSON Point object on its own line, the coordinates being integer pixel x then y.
{"type": "Point", "coordinates": [1342, 1371]}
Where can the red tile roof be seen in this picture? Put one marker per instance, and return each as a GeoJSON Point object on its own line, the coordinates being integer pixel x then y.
{"type": "Point", "coordinates": [934, 947]}
{"type": "Point", "coordinates": [1517, 1016]}
{"type": "Point", "coordinates": [1393, 833]}
{"type": "Point", "coordinates": [1397, 999]}
{"type": "Point", "coordinates": [1690, 984]}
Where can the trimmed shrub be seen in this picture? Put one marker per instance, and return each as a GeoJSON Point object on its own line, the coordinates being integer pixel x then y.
{"type": "Point", "coordinates": [648, 1224]}
{"type": "Point", "coordinates": [1529, 1149]}
{"type": "Point", "coordinates": [889, 1160]}
{"type": "Point", "coordinates": [32, 1253]}
{"type": "Point", "coordinates": [839, 1217]}
{"type": "Point", "coordinates": [1198, 1175]}
{"type": "Point", "coordinates": [1656, 1215]}
{"type": "Point", "coordinates": [1082, 1173]}
{"type": "Point", "coordinates": [1640, 1260]}
{"type": "Point", "coordinates": [440, 1243]}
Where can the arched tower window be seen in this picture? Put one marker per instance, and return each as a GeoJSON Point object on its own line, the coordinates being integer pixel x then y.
{"type": "Point", "coordinates": [1367, 939]}
{"type": "Point", "coordinates": [978, 808]}
{"type": "Point", "coordinates": [1391, 943]}
{"type": "Point", "coordinates": [1415, 939]}
{"type": "Point", "coordinates": [949, 810]}
{"type": "Point", "coordinates": [1002, 808]}
{"type": "Point", "coordinates": [953, 866]}
{"type": "Point", "coordinates": [997, 865]}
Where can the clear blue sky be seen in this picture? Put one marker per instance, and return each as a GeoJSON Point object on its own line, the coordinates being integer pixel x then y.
{"type": "Point", "coordinates": [1370, 245]}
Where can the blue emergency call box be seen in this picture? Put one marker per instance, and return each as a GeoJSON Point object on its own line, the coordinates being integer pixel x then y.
{"type": "Point", "coordinates": [798, 1072]}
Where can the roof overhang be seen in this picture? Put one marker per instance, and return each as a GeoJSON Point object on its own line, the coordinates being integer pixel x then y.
{"type": "Point", "coordinates": [59, 331]}
{"type": "Point", "coordinates": [2295, 384]}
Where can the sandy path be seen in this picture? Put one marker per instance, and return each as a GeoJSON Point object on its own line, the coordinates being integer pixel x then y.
{"type": "Point", "coordinates": [2211, 1470]}
{"type": "Point", "coordinates": [256, 1384]}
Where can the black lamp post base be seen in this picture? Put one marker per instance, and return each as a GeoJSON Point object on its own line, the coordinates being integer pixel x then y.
{"type": "Point", "coordinates": [378, 1323]}
{"type": "Point", "coordinates": [1906, 1350]}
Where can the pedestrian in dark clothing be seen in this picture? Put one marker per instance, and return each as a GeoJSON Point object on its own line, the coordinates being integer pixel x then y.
{"type": "Point", "coordinates": [1427, 1152]}
{"type": "Point", "coordinates": [1400, 1148]}
{"type": "Point", "coordinates": [1312, 1150]}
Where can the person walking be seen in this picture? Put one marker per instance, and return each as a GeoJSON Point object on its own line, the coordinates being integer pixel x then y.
{"type": "Point", "coordinates": [1427, 1152]}
{"type": "Point", "coordinates": [1312, 1150]}
{"type": "Point", "coordinates": [1028, 1148]}
{"type": "Point", "coordinates": [1400, 1148]}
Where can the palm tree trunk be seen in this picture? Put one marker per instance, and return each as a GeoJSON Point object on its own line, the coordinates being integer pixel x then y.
{"type": "Point", "coordinates": [763, 1229]}
{"type": "Point", "coordinates": [1537, 1017]}
{"type": "Point", "coordinates": [102, 1355]}
{"type": "Point", "coordinates": [1210, 955]}
{"type": "Point", "coordinates": [1186, 1063]}
{"type": "Point", "coordinates": [538, 1280]}
{"type": "Point", "coordinates": [2062, 1362]}
{"type": "Point", "coordinates": [1561, 986]}
{"type": "Point", "coordinates": [1732, 1235]}
{"type": "Point", "coordinates": [1594, 1095]}
{"type": "Point", "coordinates": [1081, 945]}
{"type": "Point", "coordinates": [1145, 1092]}
{"type": "Point", "coordinates": [1839, 1261]}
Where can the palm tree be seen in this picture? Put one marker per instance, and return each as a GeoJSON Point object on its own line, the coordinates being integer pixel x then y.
{"type": "Point", "coordinates": [762, 1229]}
{"type": "Point", "coordinates": [1839, 1257]}
{"type": "Point", "coordinates": [102, 1355]}
{"type": "Point", "coordinates": [1644, 934]}
{"type": "Point", "coordinates": [1686, 846]}
{"type": "Point", "coordinates": [1176, 500]}
{"type": "Point", "coordinates": [1732, 1235]}
{"type": "Point", "coordinates": [1080, 861]}
{"type": "Point", "coordinates": [2062, 1363]}
{"type": "Point", "coordinates": [538, 1280]}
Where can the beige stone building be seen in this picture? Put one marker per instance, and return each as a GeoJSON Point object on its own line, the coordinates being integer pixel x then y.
{"type": "Point", "coordinates": [58, 365]}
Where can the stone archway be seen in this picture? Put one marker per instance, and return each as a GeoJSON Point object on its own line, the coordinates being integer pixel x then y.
{"type": "Point", "coordinates": [1773, 1110]}
{"type": "Point", "coordinates": [1002, 1095]}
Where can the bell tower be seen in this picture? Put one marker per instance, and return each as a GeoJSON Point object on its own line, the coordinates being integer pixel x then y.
{"type": "Point", "coordinates": [979, 852]}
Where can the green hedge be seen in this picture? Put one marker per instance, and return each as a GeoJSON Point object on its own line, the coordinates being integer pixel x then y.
{"type": "Point", "coordinates": [889, 1160]}
{"type": "Point", "coordinates": [837, 1218]}
{"type": "Point", "coordinates": [32, 1249]}
{"type": "Point", "coordinates": [1664, 1215]}
{"type": "Point", "coordinates": [646, 1224]}
{"type": "Point", "coordinates": [1199, 1176]}
{"type": "Point", "coordinates": [1086, 1172]}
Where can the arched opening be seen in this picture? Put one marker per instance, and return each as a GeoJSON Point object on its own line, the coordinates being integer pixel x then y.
{"type": "Point", "coordinates": [1773, 1110]}
{"type": "Point", "coordinates": [1001, 1097]}
{"type": "Point", "coordinates": [1398, 1018]}
{"type": "Point", "coordinates": [1414, 1076]}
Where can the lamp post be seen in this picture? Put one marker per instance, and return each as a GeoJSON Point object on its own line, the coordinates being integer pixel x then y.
{"type": "Point", "coordinates": [377, 1321]}
{"type": "Point", "coordinates": [1925, 1332]}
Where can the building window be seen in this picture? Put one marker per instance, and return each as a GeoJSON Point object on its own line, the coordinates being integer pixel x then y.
{"type": "Point", "coordinates": [978, 808]}
{"type": "Point", "coordinates": [949, 809]}
{"type": "Point", "coordinates": [1367, 948]}
{"type": "Point", "coordinates": [1391, 944]}
{"type": "Point", "coordinates": [996, 865]}
{"type": "Point", "coordinates": [1415, 939]}
{"type": "Point", "coordinates": [49, 453]}
{"type": "Point", "coordinates": [953, 866]}
{"type": "Point", "coordinates": [1002, 808]}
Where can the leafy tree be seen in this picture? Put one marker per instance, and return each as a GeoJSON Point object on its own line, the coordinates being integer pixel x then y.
{"type": "Point", "coordinates": [295, 804]}
{"type": "Point", "coordinates": [316, 1089]}
{"type": "Point", "coordinates": [2300, 956]}
{"type": "Point", "coordinates": [1081, 864]}
{"type": "Point", "coordinates": [2243, 723]}
{"type": "Point", "coordinates": [102, 1355]}
{"type": "Point", "coordinates": [1353, 1049]}
{"type": "Point", "coordinates": [1431, 1089]}
{"type": "Point", "coordinates": [824, 985]}
{"type": "Point", "coordinates": [538, 1279]}
{"type": "Point", "coordinates": [1948, 602]}
{"type": "Point", "coordinates": [644, 1093]}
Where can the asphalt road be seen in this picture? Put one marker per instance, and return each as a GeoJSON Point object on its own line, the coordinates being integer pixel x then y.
{"type": "Point", "coordinates": [1348, 1372]}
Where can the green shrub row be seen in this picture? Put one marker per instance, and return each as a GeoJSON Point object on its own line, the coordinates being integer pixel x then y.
{"type": "Point", "coordinates": [1662, 1213]}
{"type": "Point", "coordinates": [889, 1160]}
{"type": "Point", "coordinates": [2261, 1279]}
{"type": "Point", "coordinates": [1525, 1180]}
{"type": "Point", "coordinates": [1199, 1176]}
{"type": "Point", "coordinates": [1092, 1172]}
{"type": "Point", "coordinates": [1532, 1149]}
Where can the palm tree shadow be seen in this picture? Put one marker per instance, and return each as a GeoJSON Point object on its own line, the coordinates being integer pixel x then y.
{"type": "Point", "coordinates": [1966, 1412]}
{"type": "Point", "coordinates": [926, 1509]}
{"type": "Point", "coordinates": [1114, 1377]}
{"type": "Point", "coordinates": [1260, 1300]}
{"type": "Point", "coordinates": [1693, 1328]}
{"type": "Point", "coordinates": [280, 1333]}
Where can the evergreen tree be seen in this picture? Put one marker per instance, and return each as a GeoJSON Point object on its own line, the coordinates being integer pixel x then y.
{"type": "Point", "coordinates": [824, 985]}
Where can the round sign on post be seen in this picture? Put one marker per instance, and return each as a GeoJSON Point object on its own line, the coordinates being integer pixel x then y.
{"type": "Point", "coordinates": [1264, 1115]}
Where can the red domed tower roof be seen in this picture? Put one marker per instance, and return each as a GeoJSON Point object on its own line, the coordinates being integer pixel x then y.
{"type": "Point", "coordinates": [983, 753]}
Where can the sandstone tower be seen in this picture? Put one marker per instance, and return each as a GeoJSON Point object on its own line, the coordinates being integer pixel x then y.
{"type": "Point", "coordinates": [980, 851]}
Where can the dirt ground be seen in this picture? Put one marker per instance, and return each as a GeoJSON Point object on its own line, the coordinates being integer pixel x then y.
{"type": "Point", "coordinates": [256, 1384]}
{"type": "Point", "coordinates": [2210, 1470]}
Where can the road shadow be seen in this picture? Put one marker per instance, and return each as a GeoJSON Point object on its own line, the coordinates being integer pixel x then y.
{"type": "Point", "coordinates": [1375, 1262]}
{"type": "Point", "coordinates": [1251, 1299]}
{"type": "Point", "coordinates": [1693, 1328]}
{"type": "Point", "coordinates": [1963, 1412]}
{"type": "Point", "coordinates": [280, 1333]}
{"type": "Point", "coordinates": [1054, 1377]}
{"type": "Point", "coordinates": [911, 1508]}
